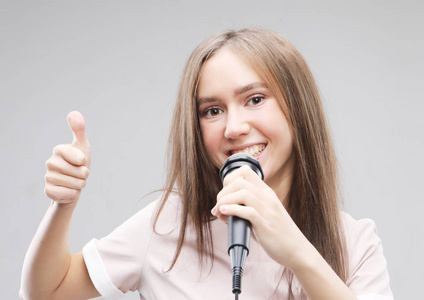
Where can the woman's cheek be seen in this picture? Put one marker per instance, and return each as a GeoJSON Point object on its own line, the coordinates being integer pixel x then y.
{"type": "Point", "coordinates": [212, 143]}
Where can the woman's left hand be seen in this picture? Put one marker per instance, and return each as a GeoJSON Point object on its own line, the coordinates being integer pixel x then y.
{"type": "Point", "coordinates": [246, 196]}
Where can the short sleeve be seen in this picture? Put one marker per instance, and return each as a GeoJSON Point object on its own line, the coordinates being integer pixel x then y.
{"type": "Point", "coordinates": [368, 277]}
{"type": "Point", "coordinates": [114, 262]}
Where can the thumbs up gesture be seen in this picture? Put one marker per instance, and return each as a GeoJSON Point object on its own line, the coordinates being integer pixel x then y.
{"type": "Point", "coordinates": [68, 168]}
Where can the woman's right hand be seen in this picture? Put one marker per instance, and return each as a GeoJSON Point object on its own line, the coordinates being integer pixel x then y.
{"type": "Point", "coordinates": [69, 166]}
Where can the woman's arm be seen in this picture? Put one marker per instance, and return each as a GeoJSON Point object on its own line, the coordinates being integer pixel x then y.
{"type": "Point", "coordinates": [317, 278]}
{"type": "Point", "coordinates": [50, 271]}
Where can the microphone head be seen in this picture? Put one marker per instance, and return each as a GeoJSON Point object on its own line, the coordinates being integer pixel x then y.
{"type": "Point", "coordinates": [237, 160]}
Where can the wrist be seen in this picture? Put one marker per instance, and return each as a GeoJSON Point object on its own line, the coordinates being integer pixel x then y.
{"type": "Point", "coordinates": [305, 260]}
{"type": "Point", "coordinates": [63, 205]}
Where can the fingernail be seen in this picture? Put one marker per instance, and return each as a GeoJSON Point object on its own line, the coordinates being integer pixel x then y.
{"type": "Point", "coordinates": [213, 211]}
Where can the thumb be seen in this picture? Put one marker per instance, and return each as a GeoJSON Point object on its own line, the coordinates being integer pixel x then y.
{"type": "Point", "coordinates": [77, 124]}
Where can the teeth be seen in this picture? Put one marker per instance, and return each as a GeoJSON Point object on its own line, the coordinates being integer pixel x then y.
{"type": "Point", "coordinates": [254, 150]}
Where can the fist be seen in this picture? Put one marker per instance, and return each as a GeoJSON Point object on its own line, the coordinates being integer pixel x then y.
{"type": "Point", "coordinates": [68, 168]}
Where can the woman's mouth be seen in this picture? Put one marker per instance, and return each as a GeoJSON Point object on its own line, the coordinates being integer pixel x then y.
{"type": "Point", "coordinates": [254, 150]}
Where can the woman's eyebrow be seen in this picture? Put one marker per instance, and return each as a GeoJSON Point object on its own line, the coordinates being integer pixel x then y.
{"type": "Point", "coordinates": [248, 87]}
{"type": "Point", "coordinates": [203, 100]}
{"type": "Point", "coordinates": [237, 92]}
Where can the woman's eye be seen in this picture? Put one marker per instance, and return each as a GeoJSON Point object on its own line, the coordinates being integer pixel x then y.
{"type": "Point", "coordinates": [255, 100]}
{"type": "Point", "coordinates": [212, 112]}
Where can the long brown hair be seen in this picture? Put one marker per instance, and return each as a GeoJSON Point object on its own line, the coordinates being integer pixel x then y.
{"type": "Point", "coordinates": [313, 198]}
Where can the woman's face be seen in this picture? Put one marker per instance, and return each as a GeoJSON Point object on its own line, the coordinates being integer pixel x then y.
{"type": "Point", "coordinates": [238, 113]}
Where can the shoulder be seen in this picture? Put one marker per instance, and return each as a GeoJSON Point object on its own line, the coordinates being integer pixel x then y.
{"type": "Point", "coordinates": [362, 227]}
{"type": "Point", "coordinates": [361, 237]}
{"type": "Point", "coordinates": [367, 266]}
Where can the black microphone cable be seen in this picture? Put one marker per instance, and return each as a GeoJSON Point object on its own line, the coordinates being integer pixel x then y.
{"type": "Point", "coordinates": [239, 229]}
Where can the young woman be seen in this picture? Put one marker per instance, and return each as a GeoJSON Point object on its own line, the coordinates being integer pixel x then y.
{"type": "Point", "coordinates": [241, 91]}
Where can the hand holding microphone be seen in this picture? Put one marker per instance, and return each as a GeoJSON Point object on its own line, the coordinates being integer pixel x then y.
{"type": "Point", "coordinates": [246, 196]}
{"type": "Point", "coordinates": [239, 229]}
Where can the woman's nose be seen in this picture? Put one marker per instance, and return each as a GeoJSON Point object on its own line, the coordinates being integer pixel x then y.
{"type": "Point", "coordinates": [237, 125]}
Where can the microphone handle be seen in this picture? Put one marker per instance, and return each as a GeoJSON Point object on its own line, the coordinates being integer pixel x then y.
{"type": "Point", "coordinates": [238, 233]}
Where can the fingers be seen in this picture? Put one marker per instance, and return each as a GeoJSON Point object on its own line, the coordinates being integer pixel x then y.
{"type": "Point", "coordinates": [237, 193]}
{"type": "Point", "coordinates": [238, 182]}
{"type": "Point", "coordinates": [244, 172]}
{"type": "Point", "coordinates": [66, 174]}
{"type": "Point", "coordinates": [77, 124]}
{"type": "Point", "coordinates": [60, 179]}
{"type": "Point", "coordinates": [69, 154]}
{"type": "Point", "coordinates": [68, 168]}
{"type": "Point", "coordinates": [244, 212]}
{"type": "Point", "coordinates": [243, 195]}
{"type": "Point", "coordinates": [62, 194]}
{"type": "Point", "coordinates": [61, 166]}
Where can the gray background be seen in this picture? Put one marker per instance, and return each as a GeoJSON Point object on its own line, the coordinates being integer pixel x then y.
{"type": "Point", "coordinates": [119, 63]}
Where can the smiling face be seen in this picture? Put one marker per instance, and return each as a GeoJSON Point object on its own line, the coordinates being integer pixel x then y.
{"type": "Point", "coordinates": [238, 113]}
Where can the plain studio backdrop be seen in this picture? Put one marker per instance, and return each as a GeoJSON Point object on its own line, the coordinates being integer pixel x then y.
{"type": "Point", "coordinates": [119, 63]}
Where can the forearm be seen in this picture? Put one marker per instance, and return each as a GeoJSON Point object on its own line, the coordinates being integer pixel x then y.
{"type": "Point", "coordinates": [48, 257]}
{"type": "Point", "coordinates": [319, 281]}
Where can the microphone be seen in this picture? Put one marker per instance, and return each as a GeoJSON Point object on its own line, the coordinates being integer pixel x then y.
{"type": "Point", "coordinates": [239, 229]}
